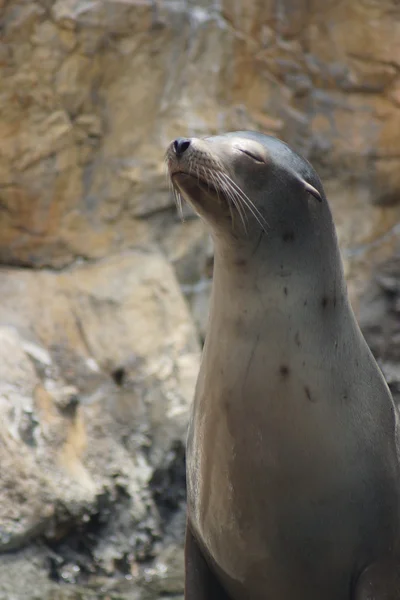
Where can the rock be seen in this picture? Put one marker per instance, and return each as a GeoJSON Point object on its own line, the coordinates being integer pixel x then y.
{"type": "Point", "coordinates": [198, 296]}
{"type": "Point", "coordinates": [379, 318]}
{"type": "Point", "coordinates": [165, 577]}
{"type": "Point", "coordinates": [82, 139]}
{"type": "Point", "coordinates": [190, 250]}
{"type": "Point", "coordinates": [97, 372]}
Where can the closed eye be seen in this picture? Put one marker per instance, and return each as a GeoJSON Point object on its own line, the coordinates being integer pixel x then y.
{"type": "Point", "coordinates": [253, 155]}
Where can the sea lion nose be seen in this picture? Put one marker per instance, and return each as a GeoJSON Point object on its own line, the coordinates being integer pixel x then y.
{"type": "Point", "coordinates": [180, 146]}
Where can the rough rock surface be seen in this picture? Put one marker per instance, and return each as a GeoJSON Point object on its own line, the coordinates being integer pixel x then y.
{"type": "Point", "coordinates": [97, 368]}
{"type": "Point", "coordinates": [99, 353]}
{"type": "Point", "coordinates": [379, 317]}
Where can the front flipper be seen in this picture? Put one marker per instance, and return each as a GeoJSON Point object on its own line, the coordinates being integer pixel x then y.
{"type": "Point", "coordinates": [200, 581]}
{"type": "Point", "coordinates": [380, 581]}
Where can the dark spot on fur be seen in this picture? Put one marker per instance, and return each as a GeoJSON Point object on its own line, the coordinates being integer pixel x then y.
{"type": "Point", "coordinates": [308, 394]}
{"type": "Point", "coordinates": [305, 303]}
{"type": "Point", "coordinates": [288, 236]}
{"type": "Point", "coordinates": [324, 302]}
{"type": "Point", "coordinates": [284, 370]}
{"type": "Point", "coordinates": [241, 262]}
{"type": "Point", "coordinates": [285, 291]}
{"type": "Point", "coordinates": [345, 397]}
{"type": "Point", "coordinates": [297, 339]}
{"type": "Point", "coordinates": [239, 323]}
{"type": "Point", "coordinates": [227, 406]}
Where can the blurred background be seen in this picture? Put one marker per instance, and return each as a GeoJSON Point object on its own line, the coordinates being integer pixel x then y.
{"type": "Point", "coordinates": [104, 291]}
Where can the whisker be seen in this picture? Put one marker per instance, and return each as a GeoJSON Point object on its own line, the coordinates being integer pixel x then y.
{"type": "Point", "coordinates": [177, 198]}
{"type": "Point", "coordinates": [210, 179]}
{"type": "Point", "coordinates": [246, 200]}
{"type": "Point", "coordinates": [217, 185]}
{"type": "Point", "coordinates": [173, 191]}
{"type": "Point", "coordinates": [233, 199]}
{"type": "Point", "coordinates": [221, 182]}
{"type": "Point", "coordinates": [178, 202]}
{"type": "Point", "coordinates": [249, 203]}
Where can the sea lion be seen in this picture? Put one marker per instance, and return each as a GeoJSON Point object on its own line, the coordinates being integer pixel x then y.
{"type": "Point", "coordinates": [293, 475]}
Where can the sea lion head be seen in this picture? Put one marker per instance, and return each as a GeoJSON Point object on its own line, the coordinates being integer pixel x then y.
{"type": "Point", "coordinates": [243, 182]}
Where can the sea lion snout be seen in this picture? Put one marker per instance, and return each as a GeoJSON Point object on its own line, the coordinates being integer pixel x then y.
{"type": "Point", "coordinates": [181, 153]}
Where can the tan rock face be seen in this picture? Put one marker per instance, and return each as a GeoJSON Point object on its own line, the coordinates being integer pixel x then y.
{"type": "Point", "coordinates": [97, 370]}
{"type": "Point", "coordinates": [91, 94]}
{"type": "Point", "coordinates": [98, 351]}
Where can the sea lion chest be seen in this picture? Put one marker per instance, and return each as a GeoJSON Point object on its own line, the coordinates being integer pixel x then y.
{"type": "Point", "coordinates": [277, 446]}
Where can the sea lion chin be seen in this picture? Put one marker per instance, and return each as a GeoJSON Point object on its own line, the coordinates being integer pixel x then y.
{"type": "Point", "coordinates": [293, 476]}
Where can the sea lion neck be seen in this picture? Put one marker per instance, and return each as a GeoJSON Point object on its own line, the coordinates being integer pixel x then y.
{"type": "Point", "coordinates": [267, 301]}
{"type": "Point", "coordinates": [280, 267]}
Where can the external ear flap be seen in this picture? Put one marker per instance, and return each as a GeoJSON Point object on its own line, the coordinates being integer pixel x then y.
{"type": "Point", "coordinates": [308, 187]}
{"type": "Point", "coordinates": [312, 190]}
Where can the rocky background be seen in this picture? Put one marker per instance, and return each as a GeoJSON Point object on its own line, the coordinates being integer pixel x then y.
{"type": "Point", "coordinates": [104, 291]}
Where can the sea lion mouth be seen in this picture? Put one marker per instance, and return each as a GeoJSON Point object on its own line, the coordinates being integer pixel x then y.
{"type": "Point", "coordinates": [208, 185]}
{"type": "Point", "coordinates": [216, 185]}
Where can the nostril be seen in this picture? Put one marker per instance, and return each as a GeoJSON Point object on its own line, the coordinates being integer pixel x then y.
{"type": "Point", "coordinates": [181, 145]}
